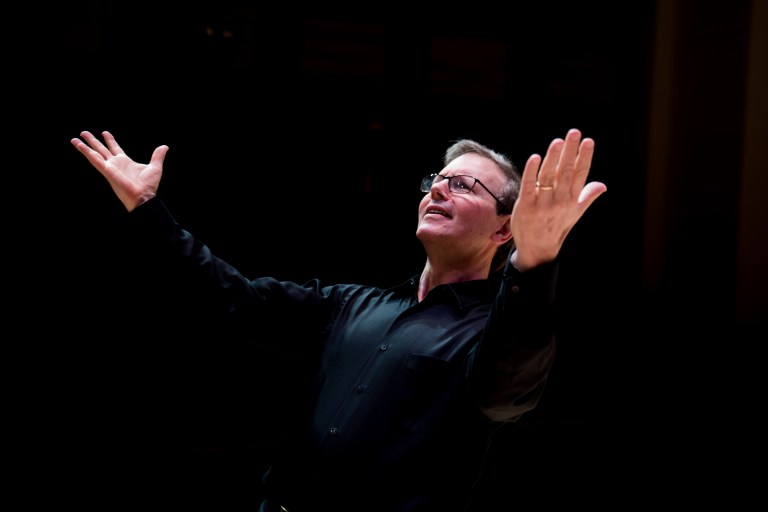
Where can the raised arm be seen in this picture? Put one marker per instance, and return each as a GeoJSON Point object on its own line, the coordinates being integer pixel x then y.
{"type": "Point", "coordinates": [554, 194]}
{"type": "Point", "coordinates": [134, 183]}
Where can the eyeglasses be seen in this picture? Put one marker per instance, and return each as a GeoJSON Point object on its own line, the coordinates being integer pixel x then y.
{"type": "Point", "coordinates": [459, 184]}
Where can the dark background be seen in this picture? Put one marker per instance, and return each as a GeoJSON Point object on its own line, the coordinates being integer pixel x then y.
{"type": "Point", "coordinates": [298, 136]}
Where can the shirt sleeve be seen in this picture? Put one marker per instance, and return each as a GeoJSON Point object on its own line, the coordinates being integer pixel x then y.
{"type": "Point", "coordinates": [512, 361]}
{"type": "Point", "coordinates": [248, 307]}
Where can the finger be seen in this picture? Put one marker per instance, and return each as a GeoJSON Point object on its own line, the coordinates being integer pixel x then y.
{"type": "Point", "coordinates": [158, 155]}
{"type": "Point", "coordinates": [530, 174]}
{"type": "Point", "coordinates": [582, 165]}
{"type": "Point", "coordinates": [95, 144]}
{"type": "Point", "coordinates": [548, 172]}
{"type": "Point", "coordinates": [93, 156]}
{"type": "Point", "coordinates": [114, 147]}
{"type": "Point", "coordinates": [568, 156]}
{"type": "Point", "coordinates": [80, 145]}
{"type": "Point", "coordinates": [589, 193]}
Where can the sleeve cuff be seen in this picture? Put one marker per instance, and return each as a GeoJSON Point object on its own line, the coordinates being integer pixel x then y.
{"type": "Point", "coordinates": [152, 218]}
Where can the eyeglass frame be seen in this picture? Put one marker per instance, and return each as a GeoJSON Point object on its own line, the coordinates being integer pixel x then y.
{"type": "Point", "coordinates": [441, 177]}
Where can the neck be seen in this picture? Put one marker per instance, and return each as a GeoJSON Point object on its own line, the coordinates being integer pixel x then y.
{"type": "Point", "coordinates": [434, 275]}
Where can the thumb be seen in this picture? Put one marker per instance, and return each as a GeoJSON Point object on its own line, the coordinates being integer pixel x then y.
{"type": "Point", "coordinates": [158, 155]}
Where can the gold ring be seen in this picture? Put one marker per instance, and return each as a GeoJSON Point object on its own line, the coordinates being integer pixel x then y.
{"type": "Point", "coordinates": [542, 187]}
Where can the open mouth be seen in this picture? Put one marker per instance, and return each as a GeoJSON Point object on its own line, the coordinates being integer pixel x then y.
{"type": "Point", "coordinates": [437, 211]}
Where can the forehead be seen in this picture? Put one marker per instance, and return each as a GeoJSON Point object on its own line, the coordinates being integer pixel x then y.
{"type": "Point", "coordinates": [475, 165]}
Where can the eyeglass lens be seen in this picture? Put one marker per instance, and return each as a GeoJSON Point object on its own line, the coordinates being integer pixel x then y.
{"type": "Point", "coordinates": [456, 184]}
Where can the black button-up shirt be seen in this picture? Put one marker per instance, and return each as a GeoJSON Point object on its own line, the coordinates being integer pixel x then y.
{"type": "Point", "coordinates": [403, 394]}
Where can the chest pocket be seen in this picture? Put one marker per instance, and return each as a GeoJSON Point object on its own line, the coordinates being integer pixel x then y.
{"type": "Point", "coordinates": [432, 384]}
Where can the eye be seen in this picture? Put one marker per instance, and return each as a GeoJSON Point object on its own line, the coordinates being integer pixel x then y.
{"type": "Point", "coordinates": [461, 183]}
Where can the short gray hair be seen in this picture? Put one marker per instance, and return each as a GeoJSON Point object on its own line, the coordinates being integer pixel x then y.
{"type": "Point", "coordinates": [509, 192]}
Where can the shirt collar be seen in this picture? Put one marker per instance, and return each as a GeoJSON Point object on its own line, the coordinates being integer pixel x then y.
{"type": "Point", "coordinates": [465, 293]}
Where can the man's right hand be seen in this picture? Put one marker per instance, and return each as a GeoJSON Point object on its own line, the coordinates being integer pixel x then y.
{"type": "Point", "coordinates": [134, 183]}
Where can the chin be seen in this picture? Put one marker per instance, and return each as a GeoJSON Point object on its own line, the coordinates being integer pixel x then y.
{"type": "Point", "coordinates": [429, 233]}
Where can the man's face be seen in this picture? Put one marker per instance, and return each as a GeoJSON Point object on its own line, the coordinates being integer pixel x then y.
{"type": "Point", "coordinates": [465, 222]}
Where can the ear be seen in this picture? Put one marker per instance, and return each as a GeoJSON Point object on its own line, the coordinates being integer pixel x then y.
{"type": "Point", "coordinates": [504, 233]}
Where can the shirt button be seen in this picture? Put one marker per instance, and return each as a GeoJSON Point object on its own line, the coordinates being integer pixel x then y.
{"type": "Point", "coordinates": [383, 347]}
{"type": "Point", "coordinates": [515, 288]}
{"type": "Point", "coordinates": [333, 431]}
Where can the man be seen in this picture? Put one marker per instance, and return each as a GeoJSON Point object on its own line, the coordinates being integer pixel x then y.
{"type": "Point", "coordinates": [404, 385]}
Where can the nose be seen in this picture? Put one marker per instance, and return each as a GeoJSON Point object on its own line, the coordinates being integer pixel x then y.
{"type": "Point", "coordinates": [439, 189]}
